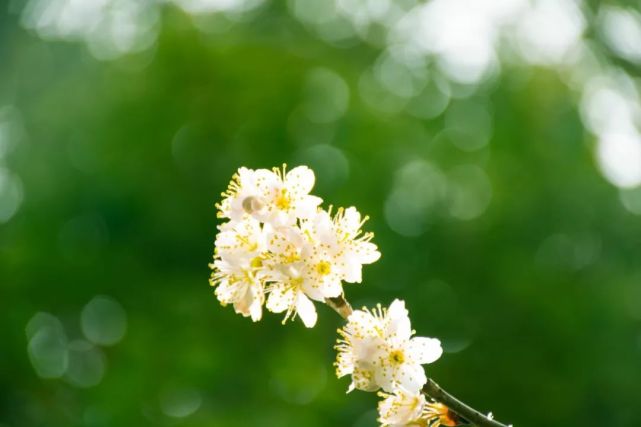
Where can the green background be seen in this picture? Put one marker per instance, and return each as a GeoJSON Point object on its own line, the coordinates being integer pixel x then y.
{"type": "Point", "coordinates": [536, 294]}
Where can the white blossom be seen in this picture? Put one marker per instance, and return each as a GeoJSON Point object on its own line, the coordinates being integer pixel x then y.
{"type": "Point", "coordinates": [244, 195]}
{"type": "Point", "coordinates": [280, 248]}
{"type": "Point", "coordinates": [238, 262]}
{"type": "Point", "coordinates": [338, 246]}
{"type": "Point", "coordinates": [277, 197]}
{"type": "Point", "coordinates": [377, 349]}
{"type": "Point", "coordinates": [290, 291]}
{"type": "Point", "coordinates": [401, 408]}
{"type": "Point", "coordinates": [311, 262]}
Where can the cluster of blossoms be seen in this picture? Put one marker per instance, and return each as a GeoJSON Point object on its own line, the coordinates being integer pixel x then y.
{"type": "Point", "coordinates": [379, 352]}
{"type": "Point", "coordinates": [281, 250]}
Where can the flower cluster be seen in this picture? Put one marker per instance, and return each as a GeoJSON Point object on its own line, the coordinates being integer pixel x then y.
{"type": "Point", "coordinates": [280, 249]}
{"type": "Point", "coordinates": [378, 350]}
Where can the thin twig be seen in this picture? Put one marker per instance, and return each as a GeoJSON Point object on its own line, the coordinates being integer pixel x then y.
{"type": "Point", "coordinates": [431, 389]}
{"type": "Point", "coordinates": [435, 391]}
{"type": "Point", "coordinates": [340, 306]}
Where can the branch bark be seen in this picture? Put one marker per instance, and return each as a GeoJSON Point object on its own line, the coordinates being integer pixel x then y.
{"type": "Point", "coordinates": [431, 388]}
{"type": "Point", "coordinates": [475, 417]}
{"type": "Point", "coordinates": [340, 306]}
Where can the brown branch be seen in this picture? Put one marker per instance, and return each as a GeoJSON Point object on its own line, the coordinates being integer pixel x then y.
{"type": "Point", "coordinates": [340, 306]}
{"type": "Point", "coordinates": [431, 389]}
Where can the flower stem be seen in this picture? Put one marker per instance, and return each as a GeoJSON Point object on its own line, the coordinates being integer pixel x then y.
{"type": "Point", "coordinates": [475, 417]}
{"type": "Point", "coordinates": [340, 306]}
{"type": "Point", "coordinates": [431, 389]}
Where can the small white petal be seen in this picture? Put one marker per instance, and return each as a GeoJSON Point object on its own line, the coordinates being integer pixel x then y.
{"type": "Point", "coordinates": [411, 376]}
{"type": "Point", "coordinates": [313, 290]}
{"type": "Point", "coordinates": [280, 298]}
{"type": "Point", "coordinates": [300, 180]}
{"type": "Point", "coordinates": [332, 287]}
{"type": "Point", "coordinates": [225, 291]}
{"type": "Point", "coordinates": [306, 310]}
{"type": "Point", "coordinates": [244, 301]}
{"type": "Point", "coordinates": [425, 350]}
{"type": "Point", "coordinates": [401, 408]}
{"type": "Point", "coordinates": [397, 309]}
{"type": "Point", "coordinates": [307, 206]}
{"type": "Point", "coordinates": [351, 219]}
{"type": "Point", "coordinates": [363, 377]}
{"type": "Point", "coordinates": [322, 228]}
{"type": "Point", "coordinates": [245, 175]}
{"type": "Point", "coordinates": [385, 378]}
{"type": "Point", "coordinates": [256, 309]}
{"type": "Point", "coordinates": [265, 179]}
{"type": "Point", "coordinates": [368, 253]}
{"type": "Point", "coordinates": [399, 327]}
{"type": "Point", "coordinates": [353, 273]}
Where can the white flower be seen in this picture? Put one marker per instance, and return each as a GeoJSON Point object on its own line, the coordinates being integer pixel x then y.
{"type": "Point", "coordinates": [288, 296]}
{"type": "Point", "coordinates": [338, 246]}
{"type": "Point", "coordinates": [244, 195]}
{"type": "Point", "coordinates": [287, 195]}
{"type": "Point", "coordinates": [287, 292]}
{"type": "Point", "coordinates": [292, 283]}
{"type": "Point", "coordinates": [277, 196]}
{"type": "Point", "coordinates": [311, 262]}
{"type": "Point", "coordinates": [377, 350]}
{"type": "Point", "coordinates": [402, 408]}
{"type": "Point", "coordinates": [238, 272]}
{"type": "Point", "coordinates": [279, 243]}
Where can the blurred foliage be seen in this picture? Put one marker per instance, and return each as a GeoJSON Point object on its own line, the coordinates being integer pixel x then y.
{"type": "Point", "coordinates": [516, 252]}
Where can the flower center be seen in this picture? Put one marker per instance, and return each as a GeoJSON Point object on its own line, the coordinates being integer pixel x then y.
{"type": "Point", "coordinates": [397, 357]}
{"type": "Point", "coordinates": [296, 282]}
{"type": "Point", "coordinates": [283, 201]}
{"type": "Point", "coordinates": [323, 268]}
{"type": "Point", "coordinates": [291, 257]}
{"type": "Point", "coordinates": [257, 262]}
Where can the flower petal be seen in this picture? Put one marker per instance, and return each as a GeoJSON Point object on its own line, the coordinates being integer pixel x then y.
{"type": "Point", "coordinates": [300, 180]}
{"type": "Point", "coordinates": [353, 272]}
{"type": "Point", "coordinates": [280, 298]}
{"type": "Point", "coordinates": [306, 310]}
{"type": "Point", "coordinates": [332, 287]}
{"type": "Point", "coordinates": [425, 350]}
{"type": "Point", "coordinates": [384, 377]}
{"type": "Point", "coordinates": [306, 206]}
{"type": "Point", "coordinates": [411, 376]}
{"type": "Point", "coordinates": [256, 311]}
{"type": "Point", "coordinates": [398, 327]}
{"type": "Point", "coordinates": [226, 291]}
{"type": "Point", "coordinates": [351, 220]}
{"type": "Point", "coordinates": [401, 408]}
{"type": "Point", "coordinates": [367, 253]}
{"type": "Point", "coordinates": [363, 377]}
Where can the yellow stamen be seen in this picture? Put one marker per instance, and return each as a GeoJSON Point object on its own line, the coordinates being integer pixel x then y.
{"type": "Point", "coordinates": [256, 262]}
{"type": "Point", "coordinates": [397, 357]}
{"type": "Point", "coordinates": [283, 201]}
{"type": "Point", "coordinates": [323, 268]}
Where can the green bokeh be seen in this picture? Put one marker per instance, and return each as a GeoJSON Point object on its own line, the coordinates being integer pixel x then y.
{"type": "Point", "coordinates": [537, 296]}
